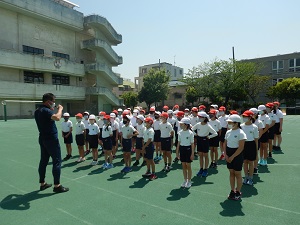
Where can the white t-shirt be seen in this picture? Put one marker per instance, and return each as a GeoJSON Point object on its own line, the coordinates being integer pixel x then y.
{"type": "Point", "coordinates": [223, 121]}
{"type": "Point", "coordinates": [126, 130]}
{"type": "Point", "coordinates": [215, 124]}
{"type": "Point", "coordinates": [186, 137]}
{"type": "Point", "coordinates": [93, 129]}
{"type": "Point", "coordinates": [272, 117]}
{"type": "Point", "coordinates": [148, 134]}
{"type": "Point", "coordinates": [251, 131]}
{"type": "Point", "coordinates": [80, 127]}
{"type": "Point", "coordinates": [86, 123]}
{"type": "Point", "coordinates": [278, 115]}
{"type": "Point", "coordinates": [265, 119]}
{"type": "Point", "coordinates": [194, 120]}
{"type": "Point", "coordinates": [204, 130]}
{"type": "Point", "coordinates": [165, 130]}
{"type": "Point", "coordinates": [141, 129]}
{"type": "Point", "coordinates": [259, 124]}
{"type": "Point", "coordinates": [156, 124]}
{"type": "Point", "coordinates": [178, 126]}
{"type": "Point", "coordinates": [234, 136]}
{"type": "Point", "coordinates": [100, 123]}
{"type": "Point", "coordinates": [172, 121]}
{"type": "Point", "coordinates": [133, 121]}
{"type": "Point", "coordinates": [106, 132]}
{"type": "Point", "coordinates": [66, 126]}
{"type": "Point", "coordinates": [115, 125]}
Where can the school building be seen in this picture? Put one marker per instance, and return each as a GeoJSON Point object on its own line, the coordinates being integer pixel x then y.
{"type": "Point", "coordinates": [48, 46]}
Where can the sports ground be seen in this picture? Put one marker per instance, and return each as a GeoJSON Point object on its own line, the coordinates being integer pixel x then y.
{"type": "Point", "coordinates": [109, 197]}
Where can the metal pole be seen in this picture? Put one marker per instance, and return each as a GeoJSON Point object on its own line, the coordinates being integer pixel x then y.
{"type": "Point", "coordinates": [5, 111]}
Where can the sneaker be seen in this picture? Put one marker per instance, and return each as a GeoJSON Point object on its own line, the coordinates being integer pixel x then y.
{"type": "Point", "coordinates": [152, 176]}
{"type": "Point", "coordinates": [245, 181]}
{"type": "Point", "coordinates": [175, 160]}
{"type": "Point", "coordinates": [94, 163]}
{"type": "Point", "coordinates": [104, 166]}
{"type": "Point", "coordinates": [238, 195]}
{"type": "Point", "coordinates": [79, 159]}
{"type": "Point", "coordinates": [67, 157]}
{"type": "Point", "coordinates": [260, 162]}
{"type": "Point", "coordinates": [231, 195]}
{"type": "Point", "coordinates": [255, 171]}
{"type": "Point", "coordinates": [211, 165]}
{"type": "Point", "coordinates": [109, 166]}
{"type": "Point", "coordinates": [124, 169]}
{"type": "Point", "coordinates": [222, 157]}
{"type": "Point", "coordinates": [188, 184]}
{"type": "Point", "coordinates": [128, 169]}
{"type": "Point", "coordinates": [147, 174]}
{"type": "Point", "coordinates": [160, 157]}
{"type": "Point", "coordinates": [136, 163]}
{"type": "Point", "coordinates": [165, 168]}
{"type": "Point", "coordinates": [215, 165]}
{"type": "Point", "coordinates": [168, 168]}
{"type": "Point", "coordinates": [200, 172]}
{"type": "Point", "coordinates": [183, 184]}
{"type": "Point", "coordinates": [87, 152]}
{"type": "Point", "coordinates": [156, 158]}
{"type": "Point", "coordinates": [270, 155]}
{"type": "Point", "coordinates": [45, 186]}
{"type": "Point", "coordinates": [205, 173]}
{"type": "Point", "coordinates": [265, 162]}
{"type": "Point", "coordinates": [144, 163]}
{"type": "Point", "coordinates": [250, 182]}
{"type": "Point", "coordinates": [60, 189]}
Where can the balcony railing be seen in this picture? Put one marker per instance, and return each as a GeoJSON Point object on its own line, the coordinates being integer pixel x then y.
{"type": "Point", "coordinates": [103, 24]}
{"type": "Point", "coordinates": [104, 69]}
{"type": "Point", "coordinates": [18, 60]}
{"type": "Point", "coordinates": [94, 44]}
{"type": "Point", "coordinates": [106, 92]}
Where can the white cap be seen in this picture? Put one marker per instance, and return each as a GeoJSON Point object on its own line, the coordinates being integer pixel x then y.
{"type": "Point", "coordinates": [66, 114]}
{"type": "Point", "coordinates": [86, 112]}
{"type": "Point", "coordinates": [92, 117]}
{"type": "Point", "coordinates": [135, 110]}
{"type": "Point", "coordinates": [126, 111]}
{"type": "Point", "coordinates": [170, 111]}
{"type": "Point", "coordinates": [202, 114]}
{"type": "Point", "coordinates": [254, 110]}
{"type": "Point", "coordinates": [261, 107]}
{"type": "Point", "coordinates": [214, 106]}
{"type": "Point", "coordinates": [112, 115]}
{"type": "Point", "coordinates": [142, 118]}
{"type": "Point", "coordinates": [127, 116]}
{"type": "Point", "coordinates": [185, 120]}
{"type": "Point", "coordinates": [120, 110]}
{"type": "Point", "coordinates": [234, 118]}
{"type": "Point", "coordinates": [157, 112]}
{"type": "Point", "coordinates": [186, 109]}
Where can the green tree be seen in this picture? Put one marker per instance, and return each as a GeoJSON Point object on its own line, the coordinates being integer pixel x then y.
{"type": "Point", "coordinates": [288, 90]}
{"type": "Point", "coordinates": [155, 87]}
{"type": "Point", "coordinates": [130, 99]}
{"type": "Point", "coordinates": [191, 95]}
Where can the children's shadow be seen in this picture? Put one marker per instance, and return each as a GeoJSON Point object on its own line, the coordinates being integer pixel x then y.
{"type": "Point", "coordinates": [264, 169]}
{"type": "Point", "coordinates": [197, 181]}
{"type": "Point", "coordinates": [256, 179]}
{"type": "Point", "coordinates": [271, 161]}
{"type": "Point", "coordinates": [21, 202]}
{"type": "Point", "coordinates": [248, 191]}
{"type": "Point", "coordinates": [117, 176]}
{"type": "Point", "coordinates": [96, 171]}
{"type": "Point", "coordinates": [176, 166]}
{"type": "Point", "coordinates": [177, 194]}
{"type": "Point", "coordinates": [231, 208]}
{"type": "Point", "coordinates": [70, 164]}
{"type": "Point", "coordinates": [140, 183]}
{"type": "Point", "coordinates": [213, 171]}
{"type": "Point", "coordinates": [86, 167]}
{"type": "Point", "coordinates": [278, 152]}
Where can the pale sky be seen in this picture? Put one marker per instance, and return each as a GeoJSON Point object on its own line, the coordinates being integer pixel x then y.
{"type": "Point", "coordinates": [197, 31]}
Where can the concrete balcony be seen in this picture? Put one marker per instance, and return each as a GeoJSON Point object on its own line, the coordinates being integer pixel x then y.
{"type": "Point", "coordinates": [48, 11]}
{"type": "Point", "coordinates": [104, 48]}
{"type": "Point", "coordinates": [101, 23]}
{"type": "Point", "coordinates": [16, 90]}
{"type": "Point", "coordinates": [110, 97]}
{"type": "Point", "coordinates": [17, 60]}
{"type": "Point", "coordinates": [105, 72]}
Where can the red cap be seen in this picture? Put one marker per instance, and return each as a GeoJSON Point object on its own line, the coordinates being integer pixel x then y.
{"type": "Point", "coordinates": [222, 108]}
{"type": "Point", "coordinates": [276, 103]}
{"type": "Point", "coordinates": [176, 106]}
{"type": "Point", "coordinates": [212, 111]}
{"type": "Point", "coordinates": [148, 120]}
{"type": "Point", "coordinates": [142, 111]}
{"type": "Point", "coordinates": [102, 113]}
{"type": "Point", "coordinates": [270, 105]}
{"type": "Point", "coordinates": [152, 109]}
{"type": "Point", "coordinates": [202, 107]}
{"type": "Point", "coordinates": [115, 111]}
{"type": "Point", "coordinates": [180, 114]}
{"type": "Point", "coordinates": [78, 115]}
{"type": "Point", "coordinates": [232, 112]}
{"type": "Point", "coordinates": [248, 113]}
{"type": "Point", "coordinates": [166, 107]}
{"type": "Point", "coordinates": [106, 117]}
{"type": "Point", "coordinates": [194, 109]}
{"type": "Point", "coordinates": [164, 114]}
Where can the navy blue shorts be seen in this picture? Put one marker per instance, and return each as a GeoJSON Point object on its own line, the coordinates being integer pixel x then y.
{"type": "Point", "coordinates": [127, 145]}
{"type": "Point", "coordinates": [113, 138]}
{"type": "Point", "coordinates": [100, 135]}
{"type": "Point", "coordinates": [87, 135]}
{"type": "Point", "coordinates": [237, 163]}
{"type": "Point", "coordinates": [264, 138]}
{"type": "Point", "coordinates": [214, 142]}
{"type": "Point", "coordinates": [202, 144]}
{"type": "Point", "coordinates": [139, 143]}
{"type": "Point", "coordinates": [79, 139]}
{"type": "Point", "coordinates": [271, 133]}
{"type": "Point", "coordinates": [107, 144]}
{"type": "Point", "coordinates": [157, 136]}
{"type": "Point", "coordinates": [93, 141]}
{"type": "Point", "coordinates": [223, 132]}
{"type": "Point", "coordinates": [276, 129]}
{"type": "Point", "coordinates": [165, 144]}
{"type": "Point", "coordinates": [185, 153]}
{"type": "Point", "coordinates": [69, 139]}
{"type": "Point", "coordinates": [149, 151]}
{"type": "Point", "coordinates": [250, 151]}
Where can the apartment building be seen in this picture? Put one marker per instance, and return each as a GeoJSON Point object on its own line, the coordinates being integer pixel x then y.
{"type": "Point", "coordinates": [48, 46]}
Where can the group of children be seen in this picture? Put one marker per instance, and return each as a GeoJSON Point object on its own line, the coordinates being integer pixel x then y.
{"type": "Point", "coordinates": [195, 133]}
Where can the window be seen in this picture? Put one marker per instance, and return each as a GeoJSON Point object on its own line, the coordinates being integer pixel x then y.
{"type": "Point", "coordinates": [294, 65]}
{"type": "Point", "coordinates": [180, 72]}
{"type": "Point", "coordinates": [177, 95]}
{"type": "Point", "coordinates": [175, 72]}
{"type": "Point", "coordinates": [275, 81]}
{"type": "Point", "coordinates": [126, 88]}
{"type": "Point", "coordinates": [31, 77]}
{"type": "Point", "coordinates": [277, 66]}
{"type": "Point", "coordinates": [120, 88]}
{"type": "Point", "coordinates": [61, 55]}
{"type": "Point", "coordinates": [60, 80]}
{"type": "Point", "coordinates": [32, 50]}
{"type": "Point", "coordinates": [144, 70]}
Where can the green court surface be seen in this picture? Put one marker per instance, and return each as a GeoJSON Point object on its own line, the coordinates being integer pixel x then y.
{"type": "Point", "coordinates": [108, 197]}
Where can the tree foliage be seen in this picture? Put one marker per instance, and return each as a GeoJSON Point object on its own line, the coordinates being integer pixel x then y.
{"type": "Point", "coordinates": [130, 99]}
{"type": "Point", "coordinates": [191, 95]}
{"type": "Point", "coordinates": [155, 87]}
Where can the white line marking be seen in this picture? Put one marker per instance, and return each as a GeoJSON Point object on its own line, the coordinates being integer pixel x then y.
{"type": "Point", "coordinates": [75, 217]}
{"type": "Point", "coordinates": [12, 186]}
{"type": "Point", "coordinates": [278, 164]}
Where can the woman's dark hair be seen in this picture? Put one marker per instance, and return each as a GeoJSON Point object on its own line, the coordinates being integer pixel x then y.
{"type": "Point", "coordinates": [239, 124]}
{"type": "Point", "coordinates": [48, 97]}
{"type": "Point", "coordinates": [205, 120]}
